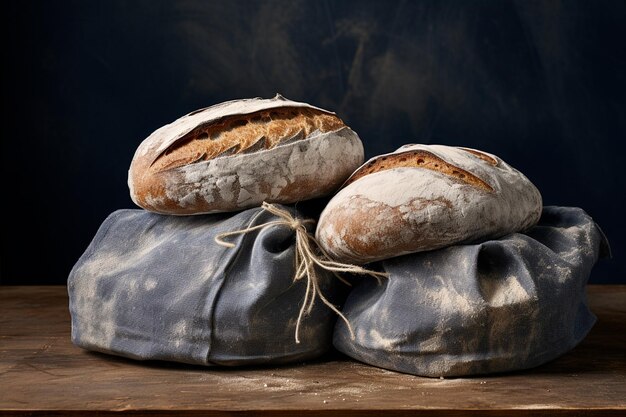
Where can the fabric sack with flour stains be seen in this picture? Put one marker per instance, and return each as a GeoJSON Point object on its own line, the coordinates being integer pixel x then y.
{"type": "Point", "coordinates": [159, 287]}
{"type": "Point", "coordinates": [501, 305]}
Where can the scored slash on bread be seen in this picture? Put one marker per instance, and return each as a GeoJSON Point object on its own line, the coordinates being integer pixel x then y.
{"type": "Point", "coordinates": [426, 160]}
{"type": "Point", "coordinates": [481, 155]}
{"type": "Point", "coordinates": [245, 134]}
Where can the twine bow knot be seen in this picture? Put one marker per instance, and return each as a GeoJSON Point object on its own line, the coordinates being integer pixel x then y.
{"type": "Point", "coordinates": [306, 261]}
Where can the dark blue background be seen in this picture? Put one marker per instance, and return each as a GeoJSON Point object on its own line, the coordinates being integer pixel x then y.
{"type": "Point", "coordinates": [541, 84]}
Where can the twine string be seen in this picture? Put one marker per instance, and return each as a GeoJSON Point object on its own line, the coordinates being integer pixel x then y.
{"type": "Point", "coordinates": [306, 262]}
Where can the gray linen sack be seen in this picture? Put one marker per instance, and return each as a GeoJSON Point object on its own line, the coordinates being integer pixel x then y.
{"type": "Point", "coordinates": [159, 287]}
{"type": "Point", "coordinates": [501, 305]}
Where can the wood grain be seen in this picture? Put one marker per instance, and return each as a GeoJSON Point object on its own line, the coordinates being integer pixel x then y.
{"type": "Point", "coordinates": [42, 373]}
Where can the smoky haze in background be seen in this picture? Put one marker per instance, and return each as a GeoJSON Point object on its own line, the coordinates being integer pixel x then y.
{"type": "Point", "coordinates": [540, 84]}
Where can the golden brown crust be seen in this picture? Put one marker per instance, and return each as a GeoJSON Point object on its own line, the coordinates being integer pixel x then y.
{"type": "Point", "coordinates": [244, 133]}
{"type": "Point", "coordinates": [357, 224]}
{"type": "Point", "coordinates": [420, 159]}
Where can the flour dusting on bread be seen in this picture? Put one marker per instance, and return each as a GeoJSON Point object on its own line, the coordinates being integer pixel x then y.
{"type": "Point", "coordinates": [415, 200]}
{"type": "Point", "coordinates": [240, 153]}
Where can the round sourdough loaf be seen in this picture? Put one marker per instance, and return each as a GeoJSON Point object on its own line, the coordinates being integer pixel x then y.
{"type": "Point", "coordinates": [240, 153]}
{"type": "Point", "coordinates": [424, 197]}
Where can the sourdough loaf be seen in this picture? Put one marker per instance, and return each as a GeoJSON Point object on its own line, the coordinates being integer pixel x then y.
{"type": "Point", "coordinates": [424, 197]}
{"type": "Point", "coordinates": [240, 153]}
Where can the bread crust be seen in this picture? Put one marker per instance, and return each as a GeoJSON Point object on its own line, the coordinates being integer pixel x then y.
{"type": "Point", "coordinates": [238, 154]}
{"type": "Point", "coordinates": [424, 197]}
{"type": "Point", "coordinates": [418, 158]}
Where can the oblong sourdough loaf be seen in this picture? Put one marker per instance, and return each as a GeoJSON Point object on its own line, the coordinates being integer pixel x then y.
{"type": "Point", "coordinates": [424, 197]}
{"type": "Point", "coordinates": [240, 153]}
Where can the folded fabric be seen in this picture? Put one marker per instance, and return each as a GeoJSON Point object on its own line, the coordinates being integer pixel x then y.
{"type": "Point", "coordinates": [160, 287]}
{"type": "Point", "coordinates": [501, 305]}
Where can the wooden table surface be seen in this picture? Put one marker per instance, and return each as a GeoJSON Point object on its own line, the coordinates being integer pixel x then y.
{"type": "Point", "coordinates": [42, 373]}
